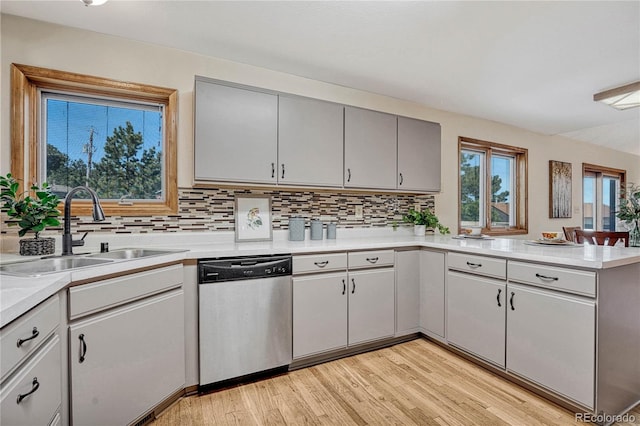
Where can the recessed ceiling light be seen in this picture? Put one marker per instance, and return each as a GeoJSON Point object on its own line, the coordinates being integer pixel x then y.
{"type": "Point", "coordinates": [93, 2]}
{"type": "Point", "coordinates": [623, 97]}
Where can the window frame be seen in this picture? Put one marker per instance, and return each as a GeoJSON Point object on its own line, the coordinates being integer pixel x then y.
{"type": "Point", "coordinates": [27, 82]}
{"type": "Point", "coordinates": [600, 172]}
{"type": "Point", "coordinates": [520, 203]}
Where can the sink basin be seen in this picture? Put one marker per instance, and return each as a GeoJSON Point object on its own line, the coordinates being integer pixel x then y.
{"type": "Point", "coordinates": [50, 266]}
{"type": "Point", "coordinates": [127, 254]}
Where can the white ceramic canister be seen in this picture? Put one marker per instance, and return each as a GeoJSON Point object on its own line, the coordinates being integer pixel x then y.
{"type": "Point", "coordinates": [296, 228]}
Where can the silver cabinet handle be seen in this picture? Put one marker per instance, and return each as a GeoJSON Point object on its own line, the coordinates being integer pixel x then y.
{"type": "Point", "coordinates": [273, 170]}
{"type": "Point", "coordinates": [544, 277]}
{"type": "Point", "coordinates": [321, 264]}
{"type": "Point", "coordinates": [282, 171]}
{"type": "Point", "coordinates": [401, 179]}
{"type": "Point", "coordinates": [474, 265]}
{"type": "Point", "coordinates": [348, 175]}
{"type": "Point", "coordinates": [353, 283]}
{"type": "Point", "coordinates": [372, 259]}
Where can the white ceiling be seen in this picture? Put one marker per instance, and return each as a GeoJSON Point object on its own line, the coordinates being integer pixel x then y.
{"type": "Point", "coordinates": [534, 65]}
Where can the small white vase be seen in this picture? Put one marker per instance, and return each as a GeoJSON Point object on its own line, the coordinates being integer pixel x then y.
{"type": "Point", "coordinates": [419, 230]}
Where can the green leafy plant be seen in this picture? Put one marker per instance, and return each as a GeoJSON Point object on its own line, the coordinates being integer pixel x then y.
{"type": "Point", "coordinates": [31, 214]}
{"type": "Point", "coordinates": [425, 217]}
{"type": "Point", "coordinates": [629, 203]}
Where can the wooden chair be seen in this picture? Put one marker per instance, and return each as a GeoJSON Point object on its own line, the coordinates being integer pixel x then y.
{"type": "Point", "coordinates": [570, 233]}
{"type": "Point", "coordinates": [601, 238]}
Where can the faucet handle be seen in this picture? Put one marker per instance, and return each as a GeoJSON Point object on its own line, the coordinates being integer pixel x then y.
{"type": "Point", "coordinates": [80, 242]}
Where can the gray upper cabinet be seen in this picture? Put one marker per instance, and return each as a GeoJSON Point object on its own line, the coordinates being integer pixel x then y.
{"type": "Point", "coordinates": [370, 149]}
{"type": "Point", "coordinates": [418, 155]}
{"type": "Point", "coordinates": [310, 142]}
{"type": "Point", "coordinates": [236, 134]}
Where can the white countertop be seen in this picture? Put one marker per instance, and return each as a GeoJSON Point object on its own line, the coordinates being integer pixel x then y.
{"type": "Point", "coordinates": [19, 294]}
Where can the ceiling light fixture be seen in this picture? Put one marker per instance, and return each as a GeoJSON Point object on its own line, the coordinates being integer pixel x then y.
{"type": "Point", "coordinates": [93, 2]}
{"type": "Point", "coordinates": [623, 97]}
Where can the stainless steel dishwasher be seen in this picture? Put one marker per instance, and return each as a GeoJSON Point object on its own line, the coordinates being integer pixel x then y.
{"type": "Point", "coordinates": [245, 316]}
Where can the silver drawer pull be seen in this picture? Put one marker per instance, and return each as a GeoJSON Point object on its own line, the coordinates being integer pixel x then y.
{"type": "Point", "coordinates": [321, 264]}
{"type": "Point", "coordinates": [372, 259]}
{"type": "Point", "coordinates": [544, 277]}
{"type": "Point", "coordinates": [474, 265]}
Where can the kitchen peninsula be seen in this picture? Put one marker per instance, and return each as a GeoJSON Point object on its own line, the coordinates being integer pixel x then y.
{"type": "Point", "coordinates": [559, 320]}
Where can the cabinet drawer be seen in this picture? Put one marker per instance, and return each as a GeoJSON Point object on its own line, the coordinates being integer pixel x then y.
{"type": "Point", "coordinates": [14, 347]}
{"type": "Point", "coordinates": [369, 259]}
{"type": "Point", "coordinates": [41, 372]}
{"type": "Point", "coordinates": [480, 265]}
{"type": "Point", "coordinates": [94, 297]}
{"type": "Point", "coordinates": [319, 263]}
{"type": "Point", "coordinates": [569, 280]}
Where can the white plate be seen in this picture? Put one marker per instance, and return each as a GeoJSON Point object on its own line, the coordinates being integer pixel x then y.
{"type": "Point", "coordinates": [542, 242]}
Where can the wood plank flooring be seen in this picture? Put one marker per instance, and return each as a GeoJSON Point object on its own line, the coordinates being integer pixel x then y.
{"type": "Point", "coordinates": [413, 383]}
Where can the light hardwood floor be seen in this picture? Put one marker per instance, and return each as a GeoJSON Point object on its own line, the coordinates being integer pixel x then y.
{"type": "Point", "coordinates": [413, 383]}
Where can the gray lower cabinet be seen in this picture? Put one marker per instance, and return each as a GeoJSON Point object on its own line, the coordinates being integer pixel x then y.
{"type": "Point", "coordinates": [476, 315]}
{"type": "Point", "coordinates": [370, 149]}
{"type": "Point", "coordinates": [371, 305]}
{"type": "Point", "coordinates": [432, 293]}
{"type": "Point", "coordinates": [319, 313]}
{"type": "Point", "coordinates": [236, 134]}
{"type": "Point", "coordinates": [418, 155]}
{"type": "Point", "coordinates": [310, 136]}
{"type": "Point", "coordinates": [407, 292]}
{"type": "Point", "coordinates": [127, 354]}
{"type": "Point", "coordinates": [551, 340]}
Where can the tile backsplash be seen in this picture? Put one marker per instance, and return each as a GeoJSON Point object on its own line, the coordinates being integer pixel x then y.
{"type": "Point", "coordinates": [211, 209]}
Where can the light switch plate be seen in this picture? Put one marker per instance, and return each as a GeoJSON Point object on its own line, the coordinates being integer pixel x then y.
{"type": "Point", "coordinates": [358, 212]}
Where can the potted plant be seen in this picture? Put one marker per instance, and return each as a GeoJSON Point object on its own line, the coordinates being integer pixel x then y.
{"type": "Point", "coordinates": [30, 213]}
{"type": "Point", "coordinates": [424, 220]}
{"type": "Point", "coordinates": [629, 211]}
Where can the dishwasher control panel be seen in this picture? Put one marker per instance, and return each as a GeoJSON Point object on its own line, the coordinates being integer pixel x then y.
{"type": "Point", "coordinates": [242, 268]}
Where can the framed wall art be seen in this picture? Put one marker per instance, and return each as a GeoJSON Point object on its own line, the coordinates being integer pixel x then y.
{"type": "Point", "coordinates": [253, 217]}
{"type": "Point", "coordinates": [559, 189]}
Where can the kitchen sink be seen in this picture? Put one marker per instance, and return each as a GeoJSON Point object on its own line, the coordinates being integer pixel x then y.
{"type": "Point", "coordinates": [50, 266]}
{"type": "Point", "coordinates": [127, 254]}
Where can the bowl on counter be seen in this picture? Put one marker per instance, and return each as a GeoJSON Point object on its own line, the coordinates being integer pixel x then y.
{"type": "Point", "coordinates": [551, 235]}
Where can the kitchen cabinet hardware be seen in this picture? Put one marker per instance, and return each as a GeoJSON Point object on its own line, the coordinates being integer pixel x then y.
{"type": "Point", "coordinates": [511, 301]}
{"type": "Point", "coordinates": [321, 264]}
{"type": "Point", "coordinates": [34, 387]}
{"type": "Point", "coordinates": [401, 179]}
{"type": "Point", "coordinates": [34, 333]}
{"type": "Point", "coordinates": [282, 171]}
{"type": "Point", "coordinates": [353, 283]}
{"type": "Point", "coordinates": [544, 277]}
{"type": "Point", "coordinates": [348, 175]}
{"type": "Point", "coordinates": [344, 287]}
{"type": "Point", "coordinates": [83, 349]}
{"type": "Point", "coordinates": [372, 259]}
{"type": "Point", "coordinates": [474, 265]}
{"type": "Point", "coordinates": [498, 297]}
{"type": "Point", "coordinates": [273, 170]}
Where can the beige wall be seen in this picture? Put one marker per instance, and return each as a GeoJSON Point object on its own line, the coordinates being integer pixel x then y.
{"type": "Point", "coordinates": [39, 44]}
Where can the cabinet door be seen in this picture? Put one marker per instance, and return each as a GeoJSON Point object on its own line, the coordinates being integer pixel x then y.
{"type": "Point", "coordinates": [310, 142]}
{"type": "Point", "coordinates": [127, 360]}
{"type": "Point", "coordinates": [551, 340]}
{"type": "Point", "coordinates": [319, 313]}
{"type": "Point", "coordinates": [407, 292]}
{"type": "Point", "coordinates": [476, 315]}
{"type": "Point", "coordinates": [371, 305]}
{"type": "Point", "coordinates": [236, 134]}
{"type": "Point", "coordinates": [370, 149]}
{"type": "Point", "coordinates": [418, 155]}
{"type": "Point", "coordinates": [432, 278]}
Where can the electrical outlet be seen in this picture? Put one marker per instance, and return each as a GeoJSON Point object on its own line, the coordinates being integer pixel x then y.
{"type": "Point", "coordinates": [417, 207]}
{"type": "Point", "coordinates": [358, 212]}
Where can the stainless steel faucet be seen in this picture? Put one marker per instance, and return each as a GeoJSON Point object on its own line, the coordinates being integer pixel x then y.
{"type": "Point", "coordinates": [98, 215]}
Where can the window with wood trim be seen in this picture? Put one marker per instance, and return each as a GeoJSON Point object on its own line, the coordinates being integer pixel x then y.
{"type": "Point", "coordinates": [600, 195]}
{"type": "Point", "coordinates": [118, 138]}
{"type": "Point", "coordinates": [493, 187]}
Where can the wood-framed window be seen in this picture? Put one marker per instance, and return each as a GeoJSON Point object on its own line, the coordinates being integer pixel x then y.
{"type": "Point", "coordinates": [112, 122]}
{"type": "Point", "coordinates": [600, 194]}
{"type": "Point", "coordinates": [492, 180]}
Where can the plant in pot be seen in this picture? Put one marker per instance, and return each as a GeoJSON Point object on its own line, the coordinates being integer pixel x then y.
{"type": "Point", "coordinates": [424, 220]}
{"type": "Point", "coordinates": [629, 211]}
{"type": "Point", "coordinates": [30, 213]}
